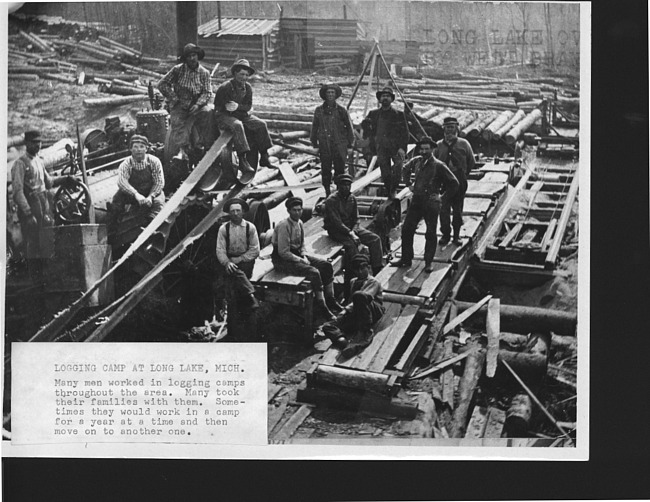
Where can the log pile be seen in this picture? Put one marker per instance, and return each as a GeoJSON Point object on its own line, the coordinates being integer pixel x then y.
{"type": "Point", "coordinates": [472, 358]}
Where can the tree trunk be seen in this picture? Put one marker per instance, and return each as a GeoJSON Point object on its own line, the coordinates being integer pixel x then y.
{"type": "Point", "coordinates": [471, 375]}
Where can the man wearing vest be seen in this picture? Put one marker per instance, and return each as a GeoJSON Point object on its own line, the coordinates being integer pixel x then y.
{"type": "Point", "coordinates": [237, 248]}
{"type": "Point", "coordinates": [290, 256]}
{"type": "Point", "coordinates": [140, 181]}
{"type": "Point", "coordinates": [232, 103]}
{"type": "Point", "coordinates": [331, 133]}
{"type": "Point", "coordinates": [457, 153]}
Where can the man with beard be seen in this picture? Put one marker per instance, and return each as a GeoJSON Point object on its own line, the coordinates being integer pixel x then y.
{"type": "Point", "coordinates": [188, 90]}
{"type": "Point", "coordinates": [332, 134]}
{"type": "Point", "coordinates": [431, 176]}
{"type": "Point", "coordinates": [389, 136]}
{"type": "Point", "coordinates": [233, 101]}
{"type": "Point", "coordinates": [457, 153]}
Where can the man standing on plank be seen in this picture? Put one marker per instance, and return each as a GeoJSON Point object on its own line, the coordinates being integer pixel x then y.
{"type": "Point", "coordinates": [431, 176]}
{"type": "Point", "coordinates": [388, 132]}
{"type": "Point", "coordinates": [457, 153]}
{"type": "Point", "coordinates": [332, 134]}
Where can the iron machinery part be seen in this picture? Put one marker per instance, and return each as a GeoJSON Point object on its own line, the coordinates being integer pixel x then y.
{"type": "Point", "coordinates": [72, 203]}
{"type": "Point", "coordinates": [153, 124]}
{"type": "Point", "coordinates": [389, 214]}
{"type": "Point", "coordinates": [93, 139]}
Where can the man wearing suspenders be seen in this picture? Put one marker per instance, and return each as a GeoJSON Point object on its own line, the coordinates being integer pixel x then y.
{"type": "Point", "coordinates": [237, 248]}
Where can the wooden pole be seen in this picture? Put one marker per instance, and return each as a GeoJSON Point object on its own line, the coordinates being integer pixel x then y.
{"type": "Point", "coordinates": [554, 249]}
{"type": "Point", "coordinates": [363, 72]}
{"type": "Point", "coordinates": [466, 388]}
{"type": "Point", "coordinates": [84, 177]}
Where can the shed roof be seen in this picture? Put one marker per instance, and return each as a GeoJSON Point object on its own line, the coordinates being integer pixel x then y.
{"type": "Point", "coordinates": [238, 26]}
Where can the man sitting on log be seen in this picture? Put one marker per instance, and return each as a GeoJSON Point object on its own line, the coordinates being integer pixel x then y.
{"type": "Point", "coordinates": [290, 256]}
{"type": "Point", "coordinates": [140, 181]}
{"type": "Point", "coordinates": [188, 90]}
{"type": "Point", "coordinates": [352, 329]}
{"type": "Point", "coordinates": [332, 134]}
{"type": "Point", "coordinates": [341, 220]}
{"type": "Point", "coordinates": [237, 248]}
{"type": "Point", "coordinates": [457, 153]}
{"type": "Point", "coordinates": [431, 176]}
{"type": "Point", "coordinates": [233, 101]}
{"type": "Point", "coordinates": [388, 132]}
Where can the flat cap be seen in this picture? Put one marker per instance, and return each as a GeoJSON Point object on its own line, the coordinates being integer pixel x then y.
{"type": "Point", "coordinates": [343, 178]}
{"type": "Point", "coordinates": [293, 201]}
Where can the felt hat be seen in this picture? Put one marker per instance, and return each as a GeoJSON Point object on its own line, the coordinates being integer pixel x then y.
{"type": "Point", "coordinates": [428, 140]}
{"type": "Point", "coordinates": [450, 121]}
{"type": "Point", "coordinates": [137, 138]}
{"type": "Point", "coordinates": [239, 64]}
{"type": "Point", "coordinates": [359, 259]}
{"type": "Point", "coordinates": [386, 90]}
{"type": "Point", "coordinates": [193, 49]}
{"type": "Point", "coordinates": [235, 200]}
{"type": "Point", "coordinates": [343, 178]}
{"type": "Point", "coordinates": [33, 136]}
{"type": "Point", "coordinates": [325, 87]}
{"type": "Point", "coordinates": [293, 201]}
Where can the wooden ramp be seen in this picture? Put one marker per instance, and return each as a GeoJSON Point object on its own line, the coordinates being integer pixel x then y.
{"type": "Point", "coordinates": [377, 372]}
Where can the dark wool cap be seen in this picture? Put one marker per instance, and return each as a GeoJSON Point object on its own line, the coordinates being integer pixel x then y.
{"type": "Point", "coordinates": [293, 201]}
{"type": "Point", "coordinates": [359, 259]}
{"type": "Point", "coordinates": [33, 135]}
{"type": "Point", "coordinates": [136, 138]}
{"type": "Point", "coordinates": [343, 178]}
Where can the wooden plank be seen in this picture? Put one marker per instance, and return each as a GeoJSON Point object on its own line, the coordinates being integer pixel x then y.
{"type": "Point", "coordinates": [275, 277]}
{"type": "Point", "coordinates": [465, 315]}
{"type": "Point", "coordinates": [436, 328]}
{"type": "Point", "coordinates": [273, 389]}
{"type": "Point", "coordinates": [427, 283]}
{"type": "Point", "coordinates": [414, 347]}
{"type": "Point", "coordinates": [400, 280]}
{"type": "Point", "coordinates": [548, 235]}
{"type": "Point", "coordinates": [390, 344]}
{"type": "Point", "coordinates": [447, 378]}
{"type": "Point", "coordinates": [275, 413]}
{"type": "Point", "coordinates": [382, 331]}
{"type": "Point", "coordinates": [494, 424]}
{"type": "Point", "coordinates": [493, 326]}
{"type": "Point", "coordinates": [476, 206]}
{"type": "Point", "coordinates": [512, 233]}
{"type": "Point", "coordinates": [292, 424]}
{"type": "Point", "coordinates": [477, 423]}
{"type": "Point", "coordinates": [446, 363]}
{"type": "Point", "coordinates": [291, 178]}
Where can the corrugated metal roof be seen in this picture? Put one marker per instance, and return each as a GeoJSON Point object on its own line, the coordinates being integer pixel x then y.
{"type": "Point", "coordinates": [237, 26]}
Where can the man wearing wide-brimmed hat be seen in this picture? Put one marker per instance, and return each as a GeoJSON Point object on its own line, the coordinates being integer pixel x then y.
{"type": "Point", "coordinates": [388, 132]}
{"type": "Point", "coordinates": [140, 182]}
{"type": "Point", "coordinates": [237, 248]}
{"type": "Point", "coordinates": [341, 220]}
{"type": "Point", "coordinates": [232, 104]}
{"type": "Point", "coordinates": [457, 153]}
{"type": "Point", "coordinates": [188, 90]}
{"type": "Point", "coordinates": [332, 134]}
{"type": "Point", "coordinates": [431, 177]}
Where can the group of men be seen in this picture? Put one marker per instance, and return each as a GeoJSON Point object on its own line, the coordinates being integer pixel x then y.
{"type": "Point", "coordinates": [439, 185]}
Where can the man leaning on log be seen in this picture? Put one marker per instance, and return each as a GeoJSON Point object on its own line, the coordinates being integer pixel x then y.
{"type": "Point", "coordinates": [188, 90]}
{"type": "Point", "coordinates": [388, 132]}
{"type": "Point", "coordinates": [331, 133]}
{"type": "Point", "coordinates": [232, 104]}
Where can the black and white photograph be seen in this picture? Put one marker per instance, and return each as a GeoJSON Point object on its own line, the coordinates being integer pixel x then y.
{"type": "Point", "coordinates": [255, 172]}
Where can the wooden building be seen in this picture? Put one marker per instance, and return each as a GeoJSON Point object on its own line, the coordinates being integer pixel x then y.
{"type": "Point", "coordinates": [233, 38]}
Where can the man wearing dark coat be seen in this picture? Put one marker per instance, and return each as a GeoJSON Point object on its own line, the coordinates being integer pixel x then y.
{"type": "Point", "coordinates": [388, 132]}
{"type": "Point", "coordinates": [232, 104]}
{"type": "Point", "coordinates": [331, 133]}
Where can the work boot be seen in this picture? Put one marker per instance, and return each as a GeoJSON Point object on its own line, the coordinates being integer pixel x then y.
{"type": "Point", "coordinates": [361, 340]}
{"type": "Point", "coordinates": [181, 155]}
{"type": "Point", "coordinates": [334, 306]}
{"type": "Point", "coordinates": [429, 267]}
{"type": "Point", "coordinates": [444, 240]}
{"type": "Point", "coordinates": [341, 342]}
{"type": "Point", "coordinates": [456, 241]}
{"type": "Point", "coordinates": [265, 160]}
{"type": "Point", "coordinates": [401, 263]}
{"type": "Point", "coordinates": [250, 302]}
{"type": "Point", "coordinates": [247, 172]}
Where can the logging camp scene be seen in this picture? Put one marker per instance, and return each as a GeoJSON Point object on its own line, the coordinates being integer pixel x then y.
{"type": "Point", "coordinates": [385, 193]}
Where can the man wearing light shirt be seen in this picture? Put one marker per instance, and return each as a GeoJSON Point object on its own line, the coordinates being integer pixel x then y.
{"type": "Point", "coordinates": [140, 181]}
{"type": "Point", "coordinates": [237, 248]}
